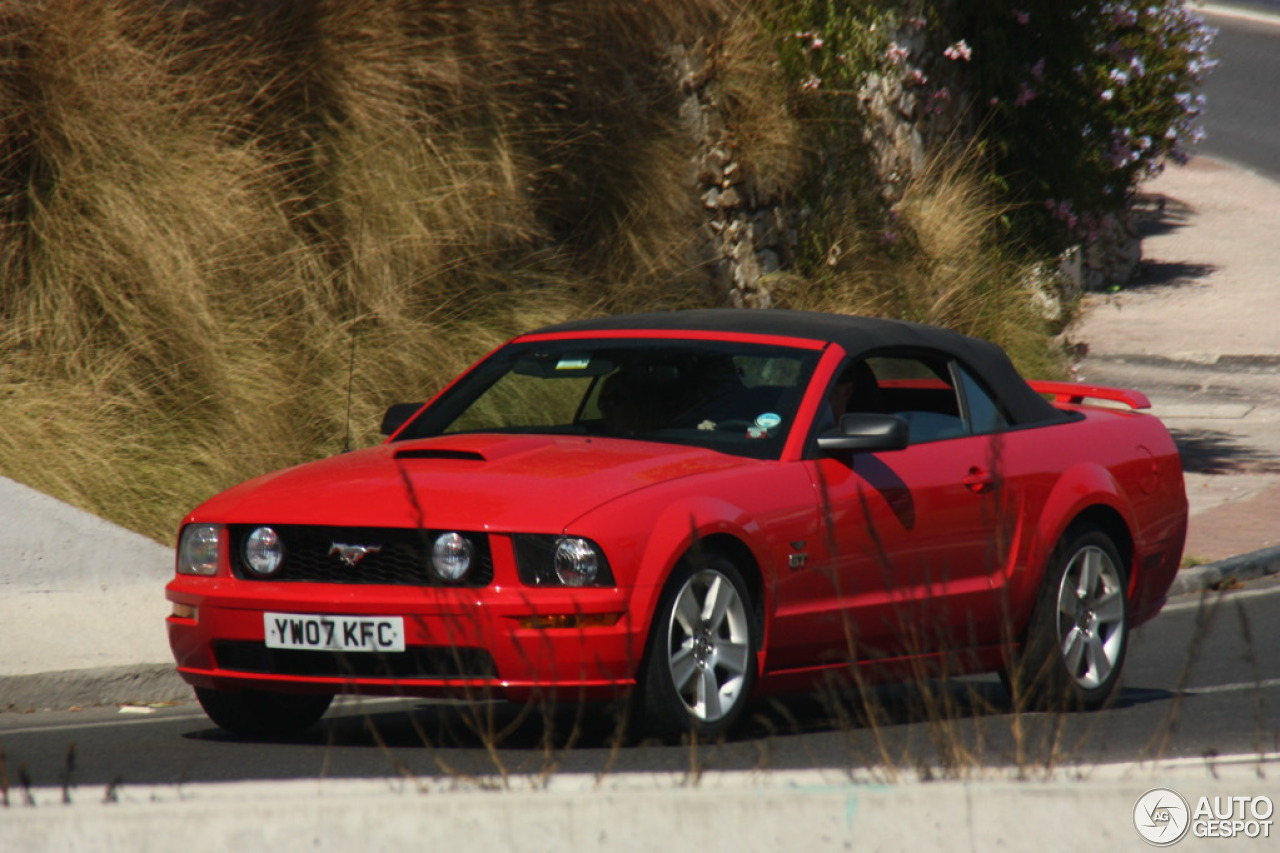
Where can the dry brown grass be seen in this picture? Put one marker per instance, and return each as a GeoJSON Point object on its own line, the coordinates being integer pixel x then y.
{"type": "Point", "coordinates": [939, 261]}
{"type": "Point", "coordinates": [771, 141]}
{"type": "Point", "coordinates": [205, 207]}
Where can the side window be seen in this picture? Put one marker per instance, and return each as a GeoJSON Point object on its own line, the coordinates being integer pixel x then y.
{"type": "Point", "coordinates": [917, 388]}
{"type": "Point", "coordinates": [983, 412]}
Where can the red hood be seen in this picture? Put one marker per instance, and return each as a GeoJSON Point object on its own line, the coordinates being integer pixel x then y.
{"type": "Point", "coordinates": [468, 482]}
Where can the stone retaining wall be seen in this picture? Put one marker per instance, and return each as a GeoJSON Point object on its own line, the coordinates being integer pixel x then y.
{"type": "Point", "coordinates": [746, 232]}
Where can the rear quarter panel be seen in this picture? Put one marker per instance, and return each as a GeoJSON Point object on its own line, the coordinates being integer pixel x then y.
{"type": "Point", "coordinates": [1107, 466]}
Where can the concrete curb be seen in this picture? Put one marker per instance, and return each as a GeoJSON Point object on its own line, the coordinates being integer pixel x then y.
{"type": "Point", "coordinates": [1244, 567]}
{"type": "Point", "coordinates": [110, 685]}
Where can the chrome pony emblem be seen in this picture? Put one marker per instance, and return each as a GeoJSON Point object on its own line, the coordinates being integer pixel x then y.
{"type": "Point", "coordinates": [352, 554]}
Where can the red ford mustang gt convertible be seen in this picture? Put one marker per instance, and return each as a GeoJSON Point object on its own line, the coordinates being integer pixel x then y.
{"type": "Point", "coordinates": [688, 509]}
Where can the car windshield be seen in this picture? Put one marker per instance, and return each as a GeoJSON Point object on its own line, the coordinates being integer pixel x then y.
{"type": "Point", "coordinates": [732, 397]}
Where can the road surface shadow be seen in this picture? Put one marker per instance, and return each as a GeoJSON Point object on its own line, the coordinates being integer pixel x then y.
{"type": "Point", "coordinates": [1209, 451]}
{"type": "Point", "coordinates": [936, 728]}
{"type": "Point", "coordinates": [1156, 215]}
{"type": "Point", "coordinates": [596, 726]}
{"type": "Point", "coordinates": [1152, 275]}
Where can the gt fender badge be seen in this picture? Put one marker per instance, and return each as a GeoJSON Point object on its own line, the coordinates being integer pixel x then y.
{"type": "Point", "coordinates": [797, 561]}
{"type": "Point", "coordinates": [352, 554]}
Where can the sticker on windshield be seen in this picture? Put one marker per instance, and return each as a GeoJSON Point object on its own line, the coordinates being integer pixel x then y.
{"type": "Point", "coordinates": [769, 420]}
{"type": "Point", "coordinates": [574, 362]}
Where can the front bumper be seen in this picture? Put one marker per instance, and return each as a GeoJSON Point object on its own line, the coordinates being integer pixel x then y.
{"type": "Point", "coordinates": [457, 641]}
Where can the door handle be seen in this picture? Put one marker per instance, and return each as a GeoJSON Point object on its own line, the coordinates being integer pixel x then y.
{"type": "Point", "coordinates": [979, 481]}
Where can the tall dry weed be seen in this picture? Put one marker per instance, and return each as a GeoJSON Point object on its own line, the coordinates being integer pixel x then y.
{"type": "Point", "coordinates": [221, 220]}
{"type": "Point", "coordinates": [772, 142]}
{"type": "Point", "coordinates": [939, 259]}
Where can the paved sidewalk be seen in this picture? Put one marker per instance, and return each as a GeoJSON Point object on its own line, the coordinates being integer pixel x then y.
{"type": "Point", "coordinates": [81, 608]}
{"type": "Point", "coordinates": [1198, 333]}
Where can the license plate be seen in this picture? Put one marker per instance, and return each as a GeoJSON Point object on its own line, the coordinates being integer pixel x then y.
{"type": "Point", "coordinates": [334, 633]}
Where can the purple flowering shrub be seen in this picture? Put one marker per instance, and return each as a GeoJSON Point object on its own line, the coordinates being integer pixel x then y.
{"type": "Point", "coordinates": [1077, 103]}
{"type": "Point", "coordinates": [1072, 105]}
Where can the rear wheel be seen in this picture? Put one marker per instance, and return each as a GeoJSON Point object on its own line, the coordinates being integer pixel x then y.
{"type": "Point", "coordinates": [701, 664]}
{"type": "Point", "coordinates": [1079, 631]}
{"type": "Point", "coordinates": [258, 713]}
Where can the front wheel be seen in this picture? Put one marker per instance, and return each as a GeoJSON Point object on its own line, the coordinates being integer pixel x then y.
{"type": "Point", "coordinates": [1079, 631]}
{"type": "Point", "coordinates": [701, 665]}
{"type": "Point", "coordinates": [257, 713]}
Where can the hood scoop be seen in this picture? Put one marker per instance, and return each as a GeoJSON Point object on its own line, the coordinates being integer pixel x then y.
{"type": "Point", "coordinates": [439, 453]}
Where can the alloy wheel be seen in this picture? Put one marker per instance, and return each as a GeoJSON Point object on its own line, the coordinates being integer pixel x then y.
{"type": "Point", "coordinates": [709, 645]}
{"type": "Point", "coordinates": [1091, 617]}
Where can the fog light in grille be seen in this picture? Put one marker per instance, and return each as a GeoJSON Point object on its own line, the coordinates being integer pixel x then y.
{"type": "Point", "coordinates": [264, 552]}
{"type": "Point", "coordinates": [452, 556]}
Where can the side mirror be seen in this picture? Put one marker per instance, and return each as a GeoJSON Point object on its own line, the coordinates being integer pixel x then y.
{"type": "Point", "coordinates": [867, 432]}
{"type": "Point", "coordinates": [397, 415]}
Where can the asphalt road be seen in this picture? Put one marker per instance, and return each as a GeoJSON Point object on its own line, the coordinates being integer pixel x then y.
{"type": "Point", "coordinates": [1200, 681]}
{"type": "Point", "coordinates": [1242, 112]}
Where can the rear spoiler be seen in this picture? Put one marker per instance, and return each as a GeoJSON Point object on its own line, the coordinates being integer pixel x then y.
{"type": "Point", "coordinates": [1076, 393]}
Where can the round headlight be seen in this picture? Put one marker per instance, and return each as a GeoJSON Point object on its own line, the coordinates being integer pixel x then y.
{"type": "Point", "coordinates": [577, 562]}
{"type": "Point", "coordinates": [264, 552]}
{"type": "Point", "coordinates": [451, 556]}
{"type": "Point", "coordinates": [198, 550]}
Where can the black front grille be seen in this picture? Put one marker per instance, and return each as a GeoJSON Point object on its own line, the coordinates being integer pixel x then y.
{"type": "Point", "coordinates": [396, 555]}
{"type": "Point", "coordinates": [411, 663]}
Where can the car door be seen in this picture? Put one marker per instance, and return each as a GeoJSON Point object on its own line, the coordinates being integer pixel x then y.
{"type": "Point", "coordinates": [909, 539]}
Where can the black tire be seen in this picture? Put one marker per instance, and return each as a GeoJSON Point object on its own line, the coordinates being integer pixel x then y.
{"type": "Point", "coordinates": [700, 668]}
{"type": "Point", "coordinates": [257, 713]}
{"type": "Point", "coordinates": [1078, 635]}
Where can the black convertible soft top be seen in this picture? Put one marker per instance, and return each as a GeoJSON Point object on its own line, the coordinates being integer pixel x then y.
{"type": "Point", "coordinates": [858, 335]}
